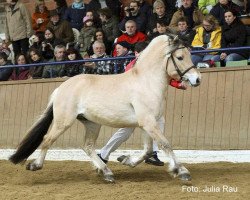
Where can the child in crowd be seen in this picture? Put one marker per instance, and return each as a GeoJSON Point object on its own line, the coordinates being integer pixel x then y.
{"type": "Point", "coordinates": [101, 37]}
{"type": "Point", "coordinates": [184, 32]}
{"type": "Point", "coordinates": [49, 43]}
{"type": "Point", "coordinates": [5, 72]}
{"type": "Point", "coordinates": [20, 73]}
{"type": "Point", "coordinates": [34, 56]}
{"type": "Point", "coordinates": [35, 41]}
{"type": "Point", "coordinates": [161, 28]}
{"type": "Point", "coordinates": [72, 69]}
{"type": "Point", "coordinates": [86, 34]}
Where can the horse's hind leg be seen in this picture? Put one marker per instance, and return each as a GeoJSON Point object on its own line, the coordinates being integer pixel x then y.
{"type": "Point", "coordinates": [91, 135]}
{"type": "Point", "coordinates": [57, 129]}
{"type": "Point", "coordinates": [147, 152]}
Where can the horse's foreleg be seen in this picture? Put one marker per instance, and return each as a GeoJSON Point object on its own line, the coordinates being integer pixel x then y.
{"type": "Point", "coordinates": [153, 128]}
{"type": "Point", "coordinates": [57, 129]}
{"type": "Point", "coordinates": [91, 135]}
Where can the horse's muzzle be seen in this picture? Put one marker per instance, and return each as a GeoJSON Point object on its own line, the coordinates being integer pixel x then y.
{"type": "Point", "coordinates": [198, 82]}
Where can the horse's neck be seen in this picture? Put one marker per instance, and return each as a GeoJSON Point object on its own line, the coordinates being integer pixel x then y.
{"type": "Point", "coordinates": [153, 69]}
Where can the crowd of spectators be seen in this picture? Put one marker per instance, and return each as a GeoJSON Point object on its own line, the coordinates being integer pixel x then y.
{"type": "Point", "coordinates": [105, 28]}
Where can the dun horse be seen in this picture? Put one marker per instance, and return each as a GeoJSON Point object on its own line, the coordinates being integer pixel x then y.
{"type": "Point", "coordinates": [132, 99]}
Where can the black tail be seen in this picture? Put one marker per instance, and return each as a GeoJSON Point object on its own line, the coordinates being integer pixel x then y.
{"type": "Point", "coordinates": [34, 137]}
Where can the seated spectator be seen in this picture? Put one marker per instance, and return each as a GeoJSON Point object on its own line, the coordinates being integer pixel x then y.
{"type": "Point", "coordinates": [95, 17]}
{"type": "Point", "coordinates": [86, 34]}
{"type": "Point", "coordinates": [208, 36]}
{"type": "Point", "coordinates": [109, 24]}
{"type": "Point", "coordinates": [234, 34]}
{"type": "Point", "coordinates": [123, 49]}
{"type": "Point", "coordinates": [161, 28]}
{"type": "Point", "coordinates": [100, 36]}
{"type": "Point", "coordinates": [52, 71]}
{"type": "Point", "coordinates": [4, 47]}
{"type": "Point", "coordinates": [35, 41]}
{"type": "Point", "coordinates": [206, 5]}
{"type": "Point", "coordinates": [61, 7]}
{"type": "Point", "coordinates": [40, 18]}
{"type": "Point", "coordinates": [34, 56]}
{"type": "Point", "coordinates": [219, 9]}
{"type": "Point", "coordinates": [132, 36]}
{"type": "Point", "coordinates": [49, 43]}
{"type": "Point", "coordinates": [184, 32]}
{"type": "Point", "coordinates": [72, 69]}
{"type": "Point", "coordinates": [20, 73]}
{"type": "Point", "coordinates": [188, 10]}
{"type": "Point", "coordinates": [132, 12]}
{"type": "Point", "coordinates": [100, 67]}
{"type": "Point", "coordinates": [159, 14]}
{"type": "Point", "coordinates": [61, 27]}
{"type": "Point", "coordinates": [5, 73]}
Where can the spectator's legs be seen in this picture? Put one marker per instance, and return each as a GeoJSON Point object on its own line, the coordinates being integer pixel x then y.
{"type": "Point", "coordinates": [207, 57]}
{"type": "Point", "coordinates": [24, 45]}
{"type": "Point", "coordinates": [234, 57]}
{"type": "Point", "coordinates": [196, 58]}
{"type": "Point", "coordinates": [16, 47]}
{"type": "Point", "coordinates": [20, 46]}
{"type": "Point", "coordinates": [115, 141]}
{"type": "Point", "coordinates": [216, 58]}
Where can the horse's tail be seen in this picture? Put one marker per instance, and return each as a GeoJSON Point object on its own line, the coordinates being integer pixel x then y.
{"type": "Point", "coordinates": [34, 135]}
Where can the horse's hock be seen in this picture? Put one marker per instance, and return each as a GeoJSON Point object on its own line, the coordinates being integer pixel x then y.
{"type": "Point", "coordinates": [215, 115]}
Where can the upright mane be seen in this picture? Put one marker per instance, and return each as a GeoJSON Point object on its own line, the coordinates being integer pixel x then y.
{"type": "Point", "coordinates": [159, 48]}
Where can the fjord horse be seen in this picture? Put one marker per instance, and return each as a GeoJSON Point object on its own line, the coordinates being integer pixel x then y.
{"type": "Point", "coordinates": [132, 99]}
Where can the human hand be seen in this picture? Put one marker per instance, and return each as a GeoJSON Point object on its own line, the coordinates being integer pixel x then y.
{"type": "Point", "coordinates": [223, 56]}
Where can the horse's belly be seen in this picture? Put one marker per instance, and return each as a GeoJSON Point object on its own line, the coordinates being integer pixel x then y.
{"type": "Point", "coordinates": [112, 116]}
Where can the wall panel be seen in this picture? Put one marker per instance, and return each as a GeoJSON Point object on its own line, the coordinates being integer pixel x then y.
{"type": "Point", "coordinates": [212, 116]}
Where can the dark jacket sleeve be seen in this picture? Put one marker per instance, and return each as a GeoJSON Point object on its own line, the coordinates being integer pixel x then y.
{"type": "Point", "coordinates": [5, 73]}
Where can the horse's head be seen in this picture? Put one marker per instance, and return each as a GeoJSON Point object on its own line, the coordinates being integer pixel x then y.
{"type": "Point", "coordinates": [179, 65]}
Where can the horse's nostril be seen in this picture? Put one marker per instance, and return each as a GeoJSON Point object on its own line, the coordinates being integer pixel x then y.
{"type": "Point", "coordinates": [198, 81]}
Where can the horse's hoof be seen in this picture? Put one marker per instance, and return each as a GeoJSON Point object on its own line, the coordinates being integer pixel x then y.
{"type": "Point", "coordinates": [32, 167]}
{"type": "Point", "coordinates": [109, 178]}
{"type": "Point", "coordinates": [121, 158]}
{"type": "Point", "coordinates": [185, 177]}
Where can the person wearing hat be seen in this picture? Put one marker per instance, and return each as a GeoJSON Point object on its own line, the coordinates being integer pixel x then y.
{"type": "Point", "coordinates": [18, 26]}
{"type": "Point", "coordinates": [40, 17]}
{"type": "Point", "coordinates": [123, 49]}
{"type": "Point", "coordinates": [86, 34]}
{"type": "Point", "coordinates": [5, 73]}
{"type": "Point", "coordinates": [61, 27]}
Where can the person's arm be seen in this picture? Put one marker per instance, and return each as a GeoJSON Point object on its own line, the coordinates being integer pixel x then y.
{"type": "Point", "coordinates": [27, 18]}
{"type": "Point", "coordinates": [197, 39]}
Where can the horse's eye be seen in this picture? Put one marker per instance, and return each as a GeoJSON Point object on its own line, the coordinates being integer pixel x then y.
{"type": "Point", "coordinates": [180, 58]}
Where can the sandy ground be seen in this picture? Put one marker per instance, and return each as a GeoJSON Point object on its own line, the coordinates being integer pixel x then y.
{"type": "Point", "coordinates": [78, 180]}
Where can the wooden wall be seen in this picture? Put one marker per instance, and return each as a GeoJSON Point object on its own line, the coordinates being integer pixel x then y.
{"type": "Point", "coordinates": [215, 115]}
